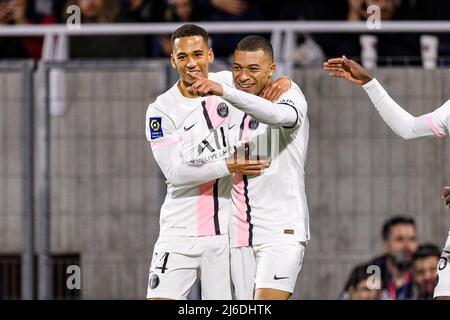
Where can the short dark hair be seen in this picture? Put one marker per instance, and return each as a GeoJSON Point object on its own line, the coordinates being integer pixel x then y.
{"type": "Point", "coordinates": [189, 30]}
{"type": "Point", "coordinates": [358, 274]}
{"type": "Point", "coordinates": [427, 250]}
{"type": "Point", "coordinates": [255, 43]}
{"type": "Point", "coordinates": [396, 221]}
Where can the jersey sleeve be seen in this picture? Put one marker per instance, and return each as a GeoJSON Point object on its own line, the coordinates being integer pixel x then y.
{"type": "Point", "coordinates": [295, 99]}
{"type": "Point", "coordinates": [179, 174]}
{"type": "Point", "coordinates": [222, 77]}
{"type": "Point", "coordinates": [403, 123]}
{"type": "Point", "coordinates": [160, 129]}
{"type": "Point", "coordinates": [166, 147]}
{"type": "Point", "coordinates": [440, 120]}
{"type": "Point", "coordinates": [265, 111]}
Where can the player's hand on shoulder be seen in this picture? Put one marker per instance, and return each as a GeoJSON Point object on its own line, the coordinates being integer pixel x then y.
{"type": "Point", "coordinates": [275, 89]}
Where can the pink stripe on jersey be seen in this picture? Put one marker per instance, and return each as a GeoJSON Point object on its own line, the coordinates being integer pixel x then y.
{"type": "Point", "coordinates": [211, 106]}
{"type": "Point", "coordinates": [241, 215]}
{"type": "Point", "coordinates": [166, 142]}
{"type": "Point", "coordinates": [205, 209]}
{"type": "Point", "coordinates": [246, 135]}
{"type": "Point", "coordinates": [242, 225]}
{"type": "Point", "coordinates": [434, 128]}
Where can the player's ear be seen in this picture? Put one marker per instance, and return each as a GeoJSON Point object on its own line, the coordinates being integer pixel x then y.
{"type": "Point", "coordinates": [172, 61]}
{"type": "Point", "coordinates": [210, 55]}
{"type": "Point", "coordinates": [273, 68]}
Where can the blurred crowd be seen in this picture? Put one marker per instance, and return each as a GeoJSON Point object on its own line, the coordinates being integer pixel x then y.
{"type": "Point", "coordinates": [406, 270]}
{"type": "Point", "coordinates": [310, 49]}
{"type": "Point", "coordinates": [395, 46]}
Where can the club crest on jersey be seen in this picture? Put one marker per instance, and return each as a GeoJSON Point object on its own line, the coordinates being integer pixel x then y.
{"type": "Point", "coordinates": [154, 281]}
{"type": "Point", "coordinates": [222, 110]}
{"type": "Point", "coordinates": [442, 263]}
{"type": "Point", "coordinates": [155, 128]}
{"type": "Point", "coordinates": [253, 124]}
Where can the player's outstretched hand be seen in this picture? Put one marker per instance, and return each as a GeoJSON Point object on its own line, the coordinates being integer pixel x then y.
{"type": "Point", "coordinates": [247, 166]}
{"type": "Point", "coordinates": [275, 89]}
{"type": "Point", "coordinates": [347, 69]}
{"type": "Point", "coordinates": [205, 87]}
{"type": "Point", "coordinates": [446, 197]}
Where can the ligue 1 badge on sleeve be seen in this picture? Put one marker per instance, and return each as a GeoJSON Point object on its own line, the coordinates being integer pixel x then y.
{"type": "Point", "coordinates": [155, 128]}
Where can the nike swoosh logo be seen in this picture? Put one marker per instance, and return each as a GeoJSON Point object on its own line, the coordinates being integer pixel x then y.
{"type": "Point", "coordinates": [279, 278]}
{"type": "Point", "coordinates": [189, 128]}
{"type": "Point", "coordinates": [229, 128]}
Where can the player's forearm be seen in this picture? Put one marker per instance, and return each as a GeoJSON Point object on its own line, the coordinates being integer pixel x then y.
{"type": "Point", "coordinates": [180, 174]}
{"type": "Point", "coordinates": [184, 175]}
{"type": "Point", "coordinates": [398, 119]}
{"type": "Point", "coordinates": [261, 109]}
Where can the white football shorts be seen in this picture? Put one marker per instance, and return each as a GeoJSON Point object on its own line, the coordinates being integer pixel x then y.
{"type": "Point", "coordinates": [443, 272]}
{"type": "Point", "coordinates": [178, 261]}
{"type": "Point", "coordinates": [269, 265]}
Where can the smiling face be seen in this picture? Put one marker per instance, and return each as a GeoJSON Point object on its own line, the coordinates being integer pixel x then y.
{"type": "Point", "coordinates": [252, 70]}
{"type": "Point", "coordinates": [191, 56]}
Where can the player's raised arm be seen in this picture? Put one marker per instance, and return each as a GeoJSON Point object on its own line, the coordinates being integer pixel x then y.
{"type": "Point", "coordinates": [272, 92]}
{"type": "Point", "coordinates": [265, 111]}
{"type": "Point", "coordinates": [259, 108]}
{"type": "Point", "coordinates": [166, 147]}
{"type": "Point", "coordinates": [399, 120]}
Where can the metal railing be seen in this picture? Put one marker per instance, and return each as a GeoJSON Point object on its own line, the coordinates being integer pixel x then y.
{"type": "Point", "coordinates": [283, 33]}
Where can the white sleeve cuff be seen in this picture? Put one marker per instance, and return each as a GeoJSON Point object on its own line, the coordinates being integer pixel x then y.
{"type": "Point", "coordinates": [375, 91]}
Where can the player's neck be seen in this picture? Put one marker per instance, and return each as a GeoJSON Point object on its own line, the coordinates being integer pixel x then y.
{"type": "Point", "coordinates": [184, 91]}
{"type": "Point", "coordinates": [265, 87]}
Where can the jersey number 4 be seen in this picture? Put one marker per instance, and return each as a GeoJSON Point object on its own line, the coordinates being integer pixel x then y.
{"type": "Point", "coordinates": [162, 262]}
